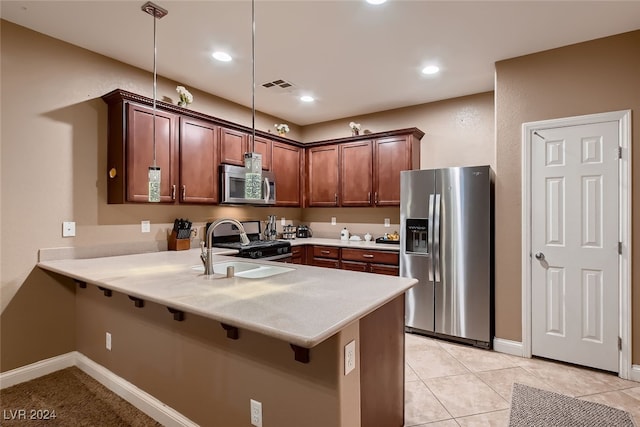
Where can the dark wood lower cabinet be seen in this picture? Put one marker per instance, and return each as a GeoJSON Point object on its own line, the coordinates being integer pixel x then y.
{"type": "Point", "coordinates": [380, 262]}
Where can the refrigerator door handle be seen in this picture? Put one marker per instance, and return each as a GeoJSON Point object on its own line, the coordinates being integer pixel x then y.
{"type": "Point", "coordinates": [430, 236]}
{"type": "Point", "coordinates": [436, 239]}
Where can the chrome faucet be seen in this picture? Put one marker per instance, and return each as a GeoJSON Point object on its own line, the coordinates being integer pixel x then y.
{"type": "Point", "coordinates": [207, 256]}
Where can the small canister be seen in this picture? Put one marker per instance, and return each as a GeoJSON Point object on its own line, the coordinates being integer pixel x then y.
{"type": "Point", "coordinates": [344, 234]}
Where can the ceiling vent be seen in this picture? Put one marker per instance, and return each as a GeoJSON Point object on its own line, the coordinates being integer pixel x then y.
{"type": "Point", "coordinates": [279, 85]}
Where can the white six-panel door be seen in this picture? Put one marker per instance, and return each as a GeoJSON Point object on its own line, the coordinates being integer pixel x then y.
{"type": "Point", "coordinates": [574, 240]}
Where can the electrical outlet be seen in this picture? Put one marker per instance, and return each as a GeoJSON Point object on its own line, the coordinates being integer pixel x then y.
{"type": "Point", "coordinates": [108, 341]}
{"type": "Point", "coordinates": [387, 222]}
{"type": "Point", "coordinates": [145, 226]}
{"type": "Point", "coordinates": [68, 229]}
{"type": "Point", "coordinates": [283, 221]}
{"type": "Point", "coordinates": [349, 357]}
{"type": "Point", "coordinates": [333, 220]}
{"type": "Point", "coordinates": [256, 413]}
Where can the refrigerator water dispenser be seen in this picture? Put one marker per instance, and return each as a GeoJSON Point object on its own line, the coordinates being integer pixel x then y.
{"type": "Point", "coordinates": [417, 235]}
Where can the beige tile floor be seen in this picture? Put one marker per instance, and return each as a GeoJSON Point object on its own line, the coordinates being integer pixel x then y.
{"type": "Point", "coordinates": [449, 385]}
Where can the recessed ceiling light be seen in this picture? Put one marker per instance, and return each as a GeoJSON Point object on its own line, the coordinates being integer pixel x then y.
{"type": "Point", "coordinates": [221, 56]}
{"type": "Point", "coordinates": [376, 2]}
{"type": "Point", "coordinates": [430, 69]}
{"type": "Point", "coordinates": [307, 98]}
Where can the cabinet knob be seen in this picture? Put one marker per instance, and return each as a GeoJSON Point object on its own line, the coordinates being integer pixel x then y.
{"type": "Point", "coordinates": [369, 196]}
{"type": "Point", "coordinates": [376, 197]}
{"type": "Point", "coordinates": [367, 256]}
{"type": "Point", "coordinates": [184, 192]}
{"type": "Point", "coordinates": [335, 197]}
{"type": "Point", "coordinates": [173, 192]}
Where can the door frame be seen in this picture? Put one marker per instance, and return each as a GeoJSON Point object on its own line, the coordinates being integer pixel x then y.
{"type": "Point", "coordinates": [623, 118]}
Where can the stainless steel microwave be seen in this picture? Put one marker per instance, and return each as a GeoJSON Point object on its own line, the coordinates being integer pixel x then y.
{"type": "Point", "coordinates": [232, 180]}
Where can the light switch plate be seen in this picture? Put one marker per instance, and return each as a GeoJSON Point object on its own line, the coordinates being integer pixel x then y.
{"type": "Point", "coordinates": [283, 221]}
{"type": "Point", "coordinates": [333, 220]}
{"type": "Point", "coordinates": [387, 222]}
{"type": "Point", "coordinates": [145, 226]}
{"type": "Point", "coordinates": [68, 229]}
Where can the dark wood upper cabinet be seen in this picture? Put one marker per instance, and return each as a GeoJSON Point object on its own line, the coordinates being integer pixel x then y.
{"type": "Point", "coordinates": [362, 170]}
{"type": "Point", "coordinates": [198, 161]}
{"type": "Point", "coordinates": [286, 165]}
{"type": "Point", "coordinates": [233, 145]}
{"type": "Point", "coordinates": [391, 156]}
{"type": "Point", "coordinates": [140, 155]}
{"type": "Point", "coordinates": [322, 175]}
{"type": "Point", "coordinates": [356, 174]}
{"type": "Point", "coordinates": [264, 146]}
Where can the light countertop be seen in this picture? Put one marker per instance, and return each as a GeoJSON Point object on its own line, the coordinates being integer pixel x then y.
{"type": "Point", "coordinates": [303, 307]}
{"type": "Point", "coordinates": [359, 244]}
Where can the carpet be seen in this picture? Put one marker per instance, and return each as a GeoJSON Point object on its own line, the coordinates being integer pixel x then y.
{"type": "Point", "coordinates": [533, 407]}
{"type": "Point", "coordinates": [68, 397]}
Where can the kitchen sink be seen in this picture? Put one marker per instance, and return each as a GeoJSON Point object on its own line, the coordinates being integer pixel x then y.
{"type": "Point", "coordinates": [248, 270]}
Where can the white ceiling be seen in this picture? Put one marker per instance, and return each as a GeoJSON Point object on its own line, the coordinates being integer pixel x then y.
{"type": "Point", "coordinates": [353, 57]}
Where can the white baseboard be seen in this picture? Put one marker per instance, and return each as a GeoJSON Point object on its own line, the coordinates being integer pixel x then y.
{"type": "Point", "coordinates": [142, 400]}
{"type": "Point", "coordinates": [37, 369]}
{"type": "Point", "coordinates": [513, 348]}
{"type": "Point", "coordinates": [634, 373]}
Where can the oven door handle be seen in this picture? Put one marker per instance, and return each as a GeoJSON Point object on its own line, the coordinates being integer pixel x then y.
{"type": "Point", "coordinates": [274, 257]}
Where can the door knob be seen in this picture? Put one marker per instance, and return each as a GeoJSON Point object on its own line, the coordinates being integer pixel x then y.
{"type": "Point", "coordinates": [539, 256]}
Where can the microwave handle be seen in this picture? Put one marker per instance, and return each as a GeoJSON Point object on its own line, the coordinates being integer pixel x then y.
{"type": "Point", "coordinates": [267, 188]}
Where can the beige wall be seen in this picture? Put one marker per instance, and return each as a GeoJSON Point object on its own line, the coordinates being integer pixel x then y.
{"type": "Point", "coordinates": [458, 131]}
{"type": "Point", "coordinates": [592, 77]}
{"type": "Point", "coordinates": [54, 169]}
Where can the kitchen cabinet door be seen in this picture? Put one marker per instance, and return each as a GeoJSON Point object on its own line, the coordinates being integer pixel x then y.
{"type": "Point", "coordinates": [286, 166]}
{"type": "Point", "coordinates": [233, 145]}
{"type": "Point", "coordinates": [356, 174]}
{"type": "Point", "coordinates": [198, 161]}
{"type": "Point", "coordinates": [392, 155]}
{"type": "Point", "coordinates": [140, 152]}
{"type": "Point", "coordinates": [322, 175]}
{"type": "Point", "coordinates": [264, 146]}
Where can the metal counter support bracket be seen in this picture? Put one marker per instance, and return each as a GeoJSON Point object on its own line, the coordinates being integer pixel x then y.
{"type": "Point", "coordinates": [301, 354]}
{"type": "Point", "coordinates": [232, 331]}
{"type": "Point", "coordinates": [177, 314]}
{"type": "Point", "coordinates": [107, 292]}
{"type": "Point", "coordinates": [138, 302]}
{"type": "Point", "coordinates": [80, 283]}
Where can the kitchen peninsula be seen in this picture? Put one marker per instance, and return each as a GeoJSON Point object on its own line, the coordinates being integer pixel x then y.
{"type": "Point", "coordinates": [206, 346]}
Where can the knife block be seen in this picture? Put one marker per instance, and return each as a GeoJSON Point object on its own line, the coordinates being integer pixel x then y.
{"type": "Point", "coordinates": [176, 244]}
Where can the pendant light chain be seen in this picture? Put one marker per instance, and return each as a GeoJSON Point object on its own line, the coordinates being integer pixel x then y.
{"type": "Point", "coordinates": [155, 87]}
{"type": "Point", "coordinates": [253, 75]}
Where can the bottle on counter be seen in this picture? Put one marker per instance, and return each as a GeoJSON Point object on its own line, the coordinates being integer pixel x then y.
{"type": "Point", "coordinates": [344, 234]}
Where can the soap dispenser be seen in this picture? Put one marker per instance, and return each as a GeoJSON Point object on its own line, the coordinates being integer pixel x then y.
{"type": "Point", "coordinates": [344, 234]}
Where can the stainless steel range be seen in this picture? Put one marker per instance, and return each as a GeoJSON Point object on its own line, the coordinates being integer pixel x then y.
{"type": "Point", "coordinates": [228, 236]}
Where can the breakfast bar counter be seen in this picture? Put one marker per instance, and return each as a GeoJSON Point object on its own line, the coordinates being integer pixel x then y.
{"type": "Point", "coordinates": [317, 347]}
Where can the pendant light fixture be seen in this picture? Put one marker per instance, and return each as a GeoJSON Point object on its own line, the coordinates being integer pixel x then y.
{"type": "Point", "coordinates": [154, 171]}
{"type": "Point", "coordinates": [253, 160]}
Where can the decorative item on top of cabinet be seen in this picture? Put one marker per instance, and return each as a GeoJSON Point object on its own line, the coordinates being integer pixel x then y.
{"type": "Point", "coordinates": [185, 97]}
{"type": "Point", "coordinates": [355, 128]}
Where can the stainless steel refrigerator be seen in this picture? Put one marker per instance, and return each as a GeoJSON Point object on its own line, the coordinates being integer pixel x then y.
{"type": "Point", "coordinates": [446, 239]}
